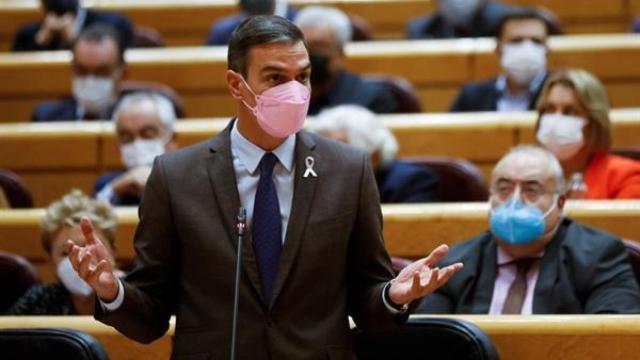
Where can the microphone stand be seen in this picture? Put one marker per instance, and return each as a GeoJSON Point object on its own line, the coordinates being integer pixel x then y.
{"type": "Point", "coordinates": [241, 225]}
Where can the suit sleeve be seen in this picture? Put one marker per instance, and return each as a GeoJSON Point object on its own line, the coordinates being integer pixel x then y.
{"type": "Point", "coordinates": [150, 289]}
{"type": "Point", "coordinates": [614, 288]}
{"type": "Point", "coordinates": [461, 103]}
{"type": "Point", "coordinates": [369, 264]}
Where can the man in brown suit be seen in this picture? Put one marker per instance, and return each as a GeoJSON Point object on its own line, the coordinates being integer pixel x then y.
{"type": "Point", "coordinates": [318, 200]}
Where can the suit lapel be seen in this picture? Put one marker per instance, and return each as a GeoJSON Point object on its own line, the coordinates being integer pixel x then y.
{"type": "Point", "coordinates": [547, 276]}
{"type": "Point", "coordinates": [304, 189]}
{"type": "Point", "coordinates": [223, 180]}
{"type": "Point", "coordinates": [486, 281]}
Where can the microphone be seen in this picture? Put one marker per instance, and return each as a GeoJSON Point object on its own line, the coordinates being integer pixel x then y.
{"type": "Point", "coordinates": [241, 225]}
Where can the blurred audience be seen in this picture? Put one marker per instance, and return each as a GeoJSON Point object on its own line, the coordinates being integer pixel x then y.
{"type": "Point", "coordinates": [458, 19]}
{"type": "Point", "coordinates": [144, 125]}
{"type": "Point", "coordinates": [398, 181]}
{"type": "Point", "coordinates": [70, 295]}
{"type": "Point", "coordinates": [221, 30]}
{"type": "Point", "coordinates": [522, 46]}
{"type": "Point", "coordinates": [534, 260]}
{"type": "Point", "coordinates": [98, 69]}
{"type": "Point", "coordinates": [63, 21]}
{"type": "Point", "coordinates": [327, 31]}
{"type": "Point", "coordinates": [573, 122]}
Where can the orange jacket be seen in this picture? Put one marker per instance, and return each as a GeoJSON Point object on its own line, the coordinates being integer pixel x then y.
{"type": "Point", "coordinates": [612, 177]}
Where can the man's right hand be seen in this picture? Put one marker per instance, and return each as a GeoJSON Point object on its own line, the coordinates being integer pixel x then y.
{"type": "Point", "coordinates": [132, 182]}
{"type": "Point", "coordinates": [93, 263]}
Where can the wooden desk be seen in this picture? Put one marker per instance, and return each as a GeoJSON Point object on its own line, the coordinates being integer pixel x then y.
{"type": "Point", "coordinates": [410, 231]}
{"type": "Point", "coordinates": [566, 337]}
{"type": "Point", "coordinates": [437, 68]}
{"type": "Point", "coordinates": [52, 158]}
{"type": "Point", "coordinates": [555, 337]}
{"type": "Point", "coordinates": [118, 346]}
{"type": "Point", "coordinates": [388, 18]}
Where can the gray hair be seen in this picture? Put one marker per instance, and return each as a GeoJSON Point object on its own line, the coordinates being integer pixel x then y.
{"type": "Point", "coordinates": [164, 107]}
{"type": "Point", "coordinates": [321, 16]}
{"type": "Point", "coordinates": [537, 151]}
{"type": "Point", "coordinates": [362, 128]}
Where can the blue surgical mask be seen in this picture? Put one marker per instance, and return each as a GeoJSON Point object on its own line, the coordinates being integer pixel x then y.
{"type": "Point", "coordinates": [519, 223]}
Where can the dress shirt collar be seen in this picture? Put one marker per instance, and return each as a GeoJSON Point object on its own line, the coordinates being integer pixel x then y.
{"type": "Point", "coordinates": [501, 84]}
{"type": "Point", "coordinates": [504, 258]}
{"type": "Point", "coordinates": [250, 154]}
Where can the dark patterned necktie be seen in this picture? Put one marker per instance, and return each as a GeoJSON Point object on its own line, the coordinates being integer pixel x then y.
{"type": "Point", "coordinates": [267, 226]}
{"type": "Point", "coordinates": [518, 289]}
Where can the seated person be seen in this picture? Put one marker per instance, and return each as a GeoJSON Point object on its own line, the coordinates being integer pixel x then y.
{"type": "Point", "coordinates": [144, 129]}
{"type": "Point", "coordinates": [63, 21]}
{"type": "Point", "coordinates": [573, 123]}
{"type": "Point", "coordinates": [635, 27]}
{"type": "Point", "coordinates": [522, 46]}
{"type": "Point", "coordinates": [534, 260]}
{"type": "Point", "coordinates": [70, 295]}
{"type": "Point", "coordinates": [398, 181]}
{"type": "Point", "coordinates": [327, 30]}
{"type": "Point", "coordinates": [98, 69]}
{"type": "Point", "coordinates": [459, 19]}
{"type": "Point", "coordinates": [221, 30]}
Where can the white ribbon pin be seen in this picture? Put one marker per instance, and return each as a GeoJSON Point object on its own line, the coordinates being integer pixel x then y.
{"type": "Point", "coordinates": [309, 161]}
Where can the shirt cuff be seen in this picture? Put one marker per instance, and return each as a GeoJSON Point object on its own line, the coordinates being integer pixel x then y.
{"type": "Point", "coordinates": [106, 193]}
{"type": "Point", "coordinates": [117, 302]}
{"type": "Point", "coordinates": [393, 309]}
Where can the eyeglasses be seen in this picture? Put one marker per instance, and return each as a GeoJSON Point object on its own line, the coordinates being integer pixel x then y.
{"type": "Point", "coordinates": [531, 192]}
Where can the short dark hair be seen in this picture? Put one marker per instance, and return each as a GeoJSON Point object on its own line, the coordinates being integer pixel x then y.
{"type": "Point", "coordinates": [60, 7]}
{"type": "Point", "coordinates": [100, 32]}
{"type": "Point", "coordinates": [258, 7]}
{"type": "Point", "coordinates": [521, 13]}
{"type": "Point", "coordinates": [259, 30]}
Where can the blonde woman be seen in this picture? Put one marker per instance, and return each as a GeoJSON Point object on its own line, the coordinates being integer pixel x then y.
{"type": "Point", "coordinates": [574, 124]}
{"type": "Point", "coordinates": [70, 295]}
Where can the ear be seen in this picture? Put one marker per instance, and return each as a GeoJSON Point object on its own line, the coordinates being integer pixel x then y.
{"type": "Point", "coordinates": [234, 83]}
{"type": "Point", "coordinates": [172, 143]}
{"type": "Point", "coordinates": [498, 48]}
{"type": "Point", "coordinates": [562, 199]}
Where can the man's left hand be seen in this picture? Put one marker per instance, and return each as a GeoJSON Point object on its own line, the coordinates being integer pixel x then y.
{"type": "Point", "coordinates": [421, 278]}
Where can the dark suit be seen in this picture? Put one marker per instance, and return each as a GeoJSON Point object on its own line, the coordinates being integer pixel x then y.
{"type": "Point", "coordinates": [353, 89]}
{"type": "Point", "coordinates": [403, 182]}
{"type": "Point", "coordinates": [25, 38]}
{"type": "Point", "coordinates": [333, 262]}
{"type": "Point", "coordinates": [104, 180]}
{"type": "Point", "coordinates": [583, 271]}
{"type": "Point", "coordinates": [484, 24]}
{"type": "Point", "coordinates": [60, 110]}
{"type": "Point", "coordinates": [484, 96]}
{"type": "Point", "coordinates": [220, 31]}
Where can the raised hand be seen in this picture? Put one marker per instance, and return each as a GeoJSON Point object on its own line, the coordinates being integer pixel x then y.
{"type": "Point", "coordinates": [93, 264]}
{"type": "Point", "coordinates": [421, 278]}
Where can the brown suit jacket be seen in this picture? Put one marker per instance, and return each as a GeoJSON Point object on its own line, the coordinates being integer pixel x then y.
{"type": "Point", "coordinates": [333, 262]}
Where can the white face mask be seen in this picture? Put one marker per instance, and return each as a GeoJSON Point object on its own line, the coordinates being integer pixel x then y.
{"type": "Point", "coordinates": [561, 134]}
{"type": "Point", "coordinates": [71, 280]}
{"type": "Point", "coordinates": [94, 94]}
{"type": "Point", "coordinates": [523, 61]}
{"type": "Point", "coordinates": [457, 12]}
{"type": "Point", "coordinates": [141, 152]}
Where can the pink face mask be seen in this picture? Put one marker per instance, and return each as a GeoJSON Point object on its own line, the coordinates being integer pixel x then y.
{"type": "Point", "coordinates": [281, 110]}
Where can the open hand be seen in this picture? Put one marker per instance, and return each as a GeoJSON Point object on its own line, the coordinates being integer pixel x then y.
{"type": "Point", "coordinates": [92, 262]}
{"type": "Point", "coordinates": [421, 278]}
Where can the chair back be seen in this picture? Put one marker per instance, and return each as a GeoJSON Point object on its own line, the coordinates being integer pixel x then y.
{"type": "Point", "coordinates": [34, 343]}
{"type": "Point", "coordinates": [459, 179]}
{"type": "Point", "coordinates": [633, 251]}
{"type": "Point", "coordinates": [17, 275]}
{"type": "Point", "coordinates": [15, 190]}
{"type": "Point", "coordinates": [404, 93]}
{"type": "Point", "coordinates": [426, 338]}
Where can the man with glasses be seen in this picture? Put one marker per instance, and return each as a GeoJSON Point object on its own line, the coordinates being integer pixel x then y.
{"type": "Point", "coordinates": [534, 260]}
{"type": "Point", "coordinates": [98, 68]}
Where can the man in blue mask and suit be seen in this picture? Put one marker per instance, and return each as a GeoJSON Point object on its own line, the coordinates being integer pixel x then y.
{"type": "Point", "coordinates": [534, 260]}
